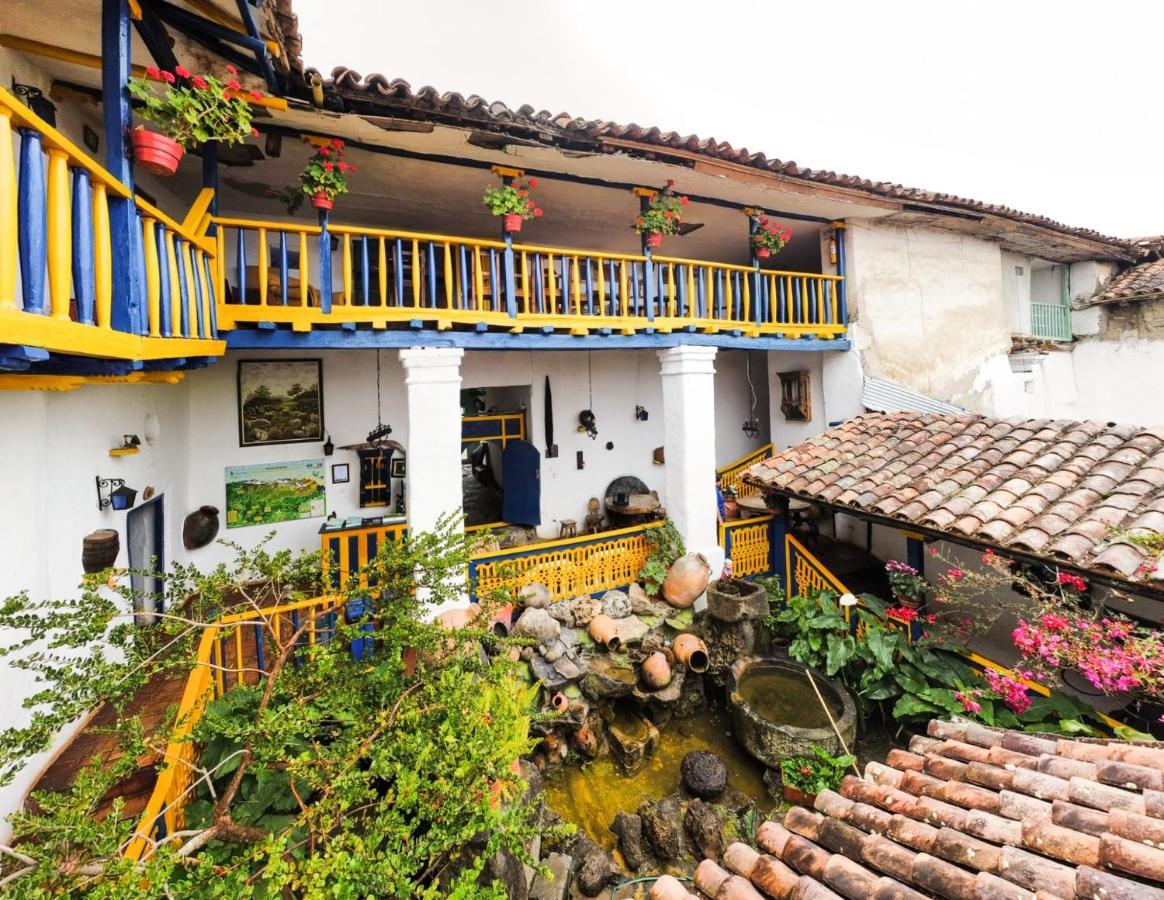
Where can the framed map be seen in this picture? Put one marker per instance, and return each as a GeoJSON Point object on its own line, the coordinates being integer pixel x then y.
{"type": "Point", "coordinates": [265, 493]}
{"type": "Point", "coordinates": [280, 401]}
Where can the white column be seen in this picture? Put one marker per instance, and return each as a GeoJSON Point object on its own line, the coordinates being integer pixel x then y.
{"type": "Point", "coordinates": [432, 376]}
{"type": "Point", "coordinates": [689, 440]}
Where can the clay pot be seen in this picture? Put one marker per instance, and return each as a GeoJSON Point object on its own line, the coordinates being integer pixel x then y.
{"type": "Point", "coordinates": [605, 632]}
{"type": "Point", "coordinates": [691, 652]}
{"type": "Point", "coordinates": [453, 619]}
{"type": "Point", "coordinates": [503, 620]}
{"type": "Point", "coordinates": [654, 239]}
{"type": "Point", "coordinates": [99, 550]}
{"type": "Point", "coordinates": [731, 507]}
{"type": "Point", "coordinates": [656, 671]}
{"type": "Point", "coordinates": [763, 253]}
{"type": "Point", "coordinates": [511, 223]}
{"type": "Point", "coordinates": [155, 152]}
{"type": "Point", "coordinates": [320, 200]}
{"type": "Point", "coordinates": [797, 797]}
{"type": "Point", "coordinates": [559, 703]}
{"type": "Point", "coordinates": [200, 527]}
{"type": "Point", "coordinates": [686, 580]}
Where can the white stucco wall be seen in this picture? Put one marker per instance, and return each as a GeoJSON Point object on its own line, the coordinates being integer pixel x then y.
{"type": "Point", "coordinates": [733, 403]}
{"type": "Point", "coordinates": [928, 310]}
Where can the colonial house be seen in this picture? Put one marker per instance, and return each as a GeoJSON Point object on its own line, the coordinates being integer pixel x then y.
{"type": "Point", "coordinates": [328, 378]}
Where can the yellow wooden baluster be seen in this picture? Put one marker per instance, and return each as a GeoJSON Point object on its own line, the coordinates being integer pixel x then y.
{"type": "Point", "coordinates": [9, 253]}
{"type": "Point", "coordinates": [577, 287]}
{"type": "Point", "coordinates": [525, 281]}
{"type": "Point", "coordinates": [102, 257]}
{"type": "Point", "coordinates": [417, 276]}
{"type": "Point", "coordinates": [448, 277]}
{"type": "Point", "coordinates": [304, 271]}
{"type": "Point", "coordinates": [347, 245]}
{"type": "Point", "coordinates": [60, 235]}
{"type": "Point", "coordinates": [478, 278]}
{"type": "Point", "coordinates": [601, 289]}
{"type": "Point", "coordinates": [383, 273]}
{"type": "Point", "coordinates": [153, 277]}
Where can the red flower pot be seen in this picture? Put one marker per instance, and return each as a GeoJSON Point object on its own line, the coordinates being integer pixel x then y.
{"type": "Point", "coordinates": [511, 223]}
{"type": "Point", "coordinates": [155, 152]}
{"type": "Point", "coordinates": [654, 239]}
{"type": "Point", "coordinates": [320, 200]}
{"type": "Point", "coordinates": [797, 797]}
{"type": "Point", "coordinates": [763, 253]}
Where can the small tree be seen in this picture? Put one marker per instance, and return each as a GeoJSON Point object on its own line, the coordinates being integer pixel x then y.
{"type": "Point", "coordinates": [329, 776]}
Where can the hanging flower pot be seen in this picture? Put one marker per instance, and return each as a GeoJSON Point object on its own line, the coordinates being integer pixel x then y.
{"type": "Point", "coordinates": [654, 239]}
{"type": "Point", "coordinates": [511, 222]}
{"type": "Point", "coordinates": [320, 200]}
{"type": "Point", "coordinates": [155, 152]}
{"type": "Point", "coordinates": [512, 202]}
{"type": "Point", "coordinates": [769, 238]}
{"type": "Point", "coordinates": [763, 253]}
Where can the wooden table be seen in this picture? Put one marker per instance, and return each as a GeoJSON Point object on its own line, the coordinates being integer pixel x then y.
{"type": "Point", "coordinates": [752, 505]}
{"type": "Point", "coordinates": [640, 508]}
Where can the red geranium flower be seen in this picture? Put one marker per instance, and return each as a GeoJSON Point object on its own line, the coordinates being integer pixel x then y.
{"type": "Point", "coordinates": [533, 182]}
{"type": "Point", "coordinates": [154, 72]}
{"type": "Point", "coordinates": [199, 82]}
{"type": "Point", "coordinates": [670, 182]}
{"type": "Point", "coordinates": [234, 85]}
{"type": "Point", "coordinates": [337, 143]}
{"type": "Point", "coordinates": [254, 132]}
{"type": "Point", "coordinates": [255, 95]}
{"type": "Point", "coordinates": [231, 69]}
{"type": "Point", "coordinates": [683, 200]}
{"type": "Point", "coordinates": [181, 71]}
{"type": "Point", "coordinates": [168, 77]}
{"type": "Point", "coordinates": [325, 151]}
{"type": "Point", "coordinates": [327, 167]}
{"type": "Point", "coordinates": [351, 168]}
{"type": "Point", "coordinates": [537, 212]}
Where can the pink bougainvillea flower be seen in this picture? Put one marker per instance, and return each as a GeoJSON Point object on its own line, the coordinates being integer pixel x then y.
{"type": "Point", "coordinates": [1071, 581]}
{"type": "Point", "coordinates": [902, 613]}
{"type": "Point", "coordinates": [955, 574]}
{"type": "Point", "coordinates": [968, 703]}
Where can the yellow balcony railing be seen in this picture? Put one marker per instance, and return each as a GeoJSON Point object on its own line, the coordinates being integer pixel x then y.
{"type": "Point", "coordinates": [64, 285]}
{"type": "Point", "coordinates": [309, 275]}
{"type": "Point", "coordinates": [731, 475]}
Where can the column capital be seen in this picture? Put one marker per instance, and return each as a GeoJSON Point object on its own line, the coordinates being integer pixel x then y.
{"type": "Point", "coordinates": [431, 365]}
{"type": "Point", "coordinates": [687, 359]}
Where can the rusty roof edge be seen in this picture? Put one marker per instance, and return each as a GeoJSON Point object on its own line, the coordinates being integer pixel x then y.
{"type": "Point", "coordinates": [346, 87]}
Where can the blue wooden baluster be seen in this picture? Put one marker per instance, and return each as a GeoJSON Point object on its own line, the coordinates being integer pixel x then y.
{"type": "Point", "coordinates": [240, 264]}
{"type": "Point", "coordinates": [589, 288]}
{"type": "Point", "coordinates": [199, 297]}
{"type": "Point", "coordinates": [398, 271]}
{"type": "Point", "coordinates": [364, 282]}
{"type": "Point", "coordinates": [84, 279]}
{"type": "Point", "coordinates": [494, 284]}
{"type": "Point", "coordinates": [163, 280]}
{"type": "Point", "coordinates": [797, 315]}
{"type": "Point", "coordinates": [463, 285]}
{"type": "Point", "coordinates": [183, 288]}
{"type": "Point", "coordinates": [213, 298]}
{"type": "Point", "coordinates": [259, 654]}
{"type": "Point", "coordinates": [634, 297]}
{"type": "Point", "coordinates": [137, 240]}
{"type": "Point", "coordinates": [33, 233]}
{"type": "Point", "coordinates": [539, 283]}
{"type": "Point", "coordinates": [325, 282]}
{"type": "Point", "coordinates": [719, 299]}
{"type": "Point", "coordinates": [432, 275]}
{"type": "Point", "coordinates": [701, 293]}
{"type": "Point", "coordinates": [781, 301]}
{"type": "Point", "coordinates": [284, 266]}
{"type": "Point", "coordinates": [813, 311]}
{"type": "Point", "coordinates": [684, 300]}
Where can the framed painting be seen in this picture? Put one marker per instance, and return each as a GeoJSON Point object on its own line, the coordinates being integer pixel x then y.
{"type": "Point", "coordinates": [266, 493]}
{"type": "Point", "coordinates": [280, 401]}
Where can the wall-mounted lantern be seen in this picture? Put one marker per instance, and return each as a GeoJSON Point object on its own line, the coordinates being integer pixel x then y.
{"type": "Point", "coordinates": [588, 423]}
{"type": "Point", "coordinates": [112, 493]}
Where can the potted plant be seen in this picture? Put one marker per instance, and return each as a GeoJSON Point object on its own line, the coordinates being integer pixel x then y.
{"type": "Point", "coordinates": [731, 506]}
{"type": "Point", "coordinates": [769, 238]}
{"type": "Point", "coordinates": [662, 215]}
{"type": "Point", "coordinates": [804, 777]}
{"type": "Point", "coordinates": [908, 587]}
{"type": "Point", "coordinates": [190, 110]}
{"type": "Point", "coordinates": [513, 203]}
{"type": "Point", "coordinates": [325, 176]}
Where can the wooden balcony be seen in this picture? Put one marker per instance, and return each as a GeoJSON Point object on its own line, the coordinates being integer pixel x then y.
{"type": "Point", "coordinates": [70, 282]}
{"type": "Point", "coordinates": [308, 276]}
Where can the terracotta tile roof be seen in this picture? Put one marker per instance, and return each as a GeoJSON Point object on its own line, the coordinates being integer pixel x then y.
{"type": "Point", "coordinates": [1084, 494]}
{"type": "Point", "coordinates": [970, 813]}
{"type": "Point", "coordinates": [348, 89]}
{"type": "Point", "coordinates": [1142, 282]}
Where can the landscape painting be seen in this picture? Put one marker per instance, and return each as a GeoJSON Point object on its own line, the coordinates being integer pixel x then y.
{"type": "Point", "coordinates": [280, 401]}
{"type": "Point", "coordinates": [265, 493]}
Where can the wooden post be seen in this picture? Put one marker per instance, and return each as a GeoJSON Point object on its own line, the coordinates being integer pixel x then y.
{"type": "Point", "coordinates": [777, 545]}
{"type": "Point", "coordinates": [127, 312]}
{"type": "Point", "coordinates": [842, 292]}
{"type": "Point", "coordinates": [645, 195]}
{"type": "Point", "coordinates": [324, 263]}
{"type": "Point", "coordinates": [210, 180]}
{"type": "Point", "coordinates": [753, 215]}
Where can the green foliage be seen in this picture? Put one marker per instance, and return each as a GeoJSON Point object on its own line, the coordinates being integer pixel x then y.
{"type": "Point", "coordinates": [194, 110]}
{"type": "Point", "coordinates": [820, 772]}
{"type": "Point", "coordinates": [326, 171]}
{"type": "Point", "coordinates": [512, 200]}
{"type": "Point", "coordinates": [663, 214]}
{"type": "Point", "coordinates": [666, 546]}
{"type": "Point", "coordinates": [388, 776]}
{"type": "Point", "coordinates": [904, 682]}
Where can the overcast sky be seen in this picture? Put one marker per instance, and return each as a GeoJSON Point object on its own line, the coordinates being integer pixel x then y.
{"type": "Point", "coordinates": [1048, 107]}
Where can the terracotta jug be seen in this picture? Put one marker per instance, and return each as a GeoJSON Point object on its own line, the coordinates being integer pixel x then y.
{"type": "Point", "coordinates": [605, 632]}
{"type": "Point", "coordinates": [656, 671]}
{"type": "Point", "coordinates": [686, 580]}
{"type": "Point", "coordinates": [691, 652]}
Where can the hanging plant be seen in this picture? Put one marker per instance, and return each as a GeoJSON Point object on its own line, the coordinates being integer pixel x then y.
{"type": "Point", "coordinates": [662, 215]}
{"type": "Point", "coordinates": [324, 177]}
{"type": "Point", "coordinates": [769, 238]}
{"type": "Point", "coordinates": [513, 203]}
{"type": "Point", "coordinates": [189, 110]}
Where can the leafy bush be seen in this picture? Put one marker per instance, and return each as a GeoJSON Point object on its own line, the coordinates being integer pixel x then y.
{"type": "Point", "coordinates": [664, 213]}
{"type": "Point", "coordinates": [512, 200]}
{"type": "Point", "coordinates": [193, 109]}
{"type": "Point", "coordinates": [820, 772]}
{"type": "Point", "coordinates": [666, 546]}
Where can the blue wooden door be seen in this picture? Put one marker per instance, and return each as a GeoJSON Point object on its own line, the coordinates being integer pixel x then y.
{"type": "Point", "coordinates": [521, 478]}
